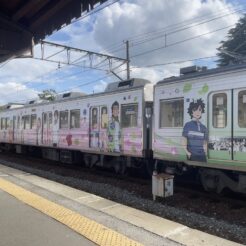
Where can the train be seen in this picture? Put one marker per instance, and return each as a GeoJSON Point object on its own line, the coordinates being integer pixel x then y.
{"type": "Point", "coordinates": [192, 123]}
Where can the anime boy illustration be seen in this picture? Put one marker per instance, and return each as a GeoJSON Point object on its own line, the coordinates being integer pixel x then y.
{"type": "Point", "coordinates": [114, 133]}
{"type": "Point", "coordinates": [195, 134]}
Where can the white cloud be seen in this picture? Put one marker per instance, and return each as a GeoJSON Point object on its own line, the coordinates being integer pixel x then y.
{"type": "Point", "coordinates": [134, 20]}
{"type": "Point", "coordinates": [99, 87]}
{"type": "Point", "coordinates": [15, 92]}
{"type": "Point", "coordinates": [130, 20]}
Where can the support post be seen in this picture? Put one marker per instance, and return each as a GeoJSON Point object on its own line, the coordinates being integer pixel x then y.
{"type": "Point", "coordinates": [127, 60]}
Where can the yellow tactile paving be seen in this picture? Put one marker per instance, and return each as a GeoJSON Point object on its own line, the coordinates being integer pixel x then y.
{"type": "Point", "coordinates": [90, 229]}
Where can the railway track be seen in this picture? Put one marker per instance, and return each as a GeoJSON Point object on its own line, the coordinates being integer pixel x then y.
{"type": "Point", "coordinates": [215, 214]}
{"type": "Point", "coordinates": [138, 185]}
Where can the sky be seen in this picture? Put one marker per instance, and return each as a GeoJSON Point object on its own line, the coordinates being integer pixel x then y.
{"type": "Point", "coordinates": [163, 36]}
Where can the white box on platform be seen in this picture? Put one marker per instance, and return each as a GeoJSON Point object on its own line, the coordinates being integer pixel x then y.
{"type": "Point", "coordinates": [162, 185]}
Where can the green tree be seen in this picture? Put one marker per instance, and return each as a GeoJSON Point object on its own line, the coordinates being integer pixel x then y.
{"type": "Point", "coordinates": [233, 50]}
{"type": "Point", "coordinates": [48, 95]}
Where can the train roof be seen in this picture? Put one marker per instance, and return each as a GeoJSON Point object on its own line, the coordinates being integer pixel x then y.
{"type": "Point", "coordinates": [11, 106]}
{"type": "Point", "coordinates": [126, 84]}
{"type": "Point", "coordinates": [199, 72]}
{"type": "Point", "coordinates": [113, 88]}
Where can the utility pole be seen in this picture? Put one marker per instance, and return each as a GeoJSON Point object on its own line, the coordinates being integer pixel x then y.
{"type": "Point", "coordinates": [127, 60]}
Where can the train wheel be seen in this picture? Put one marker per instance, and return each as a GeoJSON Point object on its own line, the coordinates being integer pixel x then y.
{"type": "Point", "coordinates": [210, 180]}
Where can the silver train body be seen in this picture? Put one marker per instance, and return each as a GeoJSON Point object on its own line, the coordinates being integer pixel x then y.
{"type": "Point", "coordinates": [196, 121]}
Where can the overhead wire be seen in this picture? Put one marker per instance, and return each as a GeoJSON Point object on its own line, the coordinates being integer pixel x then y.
{"type": "Point", "coordinates": [122, 44]}
{"type": "Point", "coordinates": [175, 62]}
{"type": "Point", "coordinates": [43, 83]}
{"type": "Point", "coordinates": [75, 87]}
{"type": "Point", "coordinates": [179, 42]}
{"type": "Point", "coordinates": [146, 52]}
{"type": "Point", "coordinates": [165, 29]}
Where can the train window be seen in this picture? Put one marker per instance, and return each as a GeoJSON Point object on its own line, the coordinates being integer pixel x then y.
{"type": "Point", "coordinates": [75, 118]}
{"type": "Point", "coordinates": [171, 113]}
{"type": "Point", "coordinates": [63, 119]}
{"type": "Point", "coordinates": [2, 123]}
{"type": "Point", "coordinates": [242, 109]}
{"type": "Point", "coordinates": [104, 117]}
{"type": "Point", "coordinates": [219, 110]}
{"type": "Point", "coordinates": [94, 118]}
{"type": "Point", "coordinates": [129, 115]}
{"type": "Point", "coordinates": [33, 121]}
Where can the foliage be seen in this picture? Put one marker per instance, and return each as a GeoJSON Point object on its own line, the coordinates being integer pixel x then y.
{"type": "Point", "coordinates": [233, 50]}
{"type": "Point", "coordinates": [48, 95]}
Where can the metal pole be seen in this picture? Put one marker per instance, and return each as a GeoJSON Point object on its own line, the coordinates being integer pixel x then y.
{"type": "Point", "coordinates": [127, 60]}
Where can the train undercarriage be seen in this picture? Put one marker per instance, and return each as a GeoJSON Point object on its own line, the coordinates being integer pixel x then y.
{"type": "Point", "coordinates": [116, 162]}
{"type": "Point", "coordinates": [212, 180]}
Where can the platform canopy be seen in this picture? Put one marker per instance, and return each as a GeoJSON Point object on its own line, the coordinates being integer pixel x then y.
{"type": "Point", "coordinates": [24, 23]}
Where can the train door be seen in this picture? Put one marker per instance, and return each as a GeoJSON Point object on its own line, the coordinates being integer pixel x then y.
{"type": "Point", "coordinates": [94, 127]}
{"type": "Point", "coordinates": [239, 124]}
{"type": "Point", "coordinates": [220, 125]}
{"type": "Point", "coordinates": [103, 128]}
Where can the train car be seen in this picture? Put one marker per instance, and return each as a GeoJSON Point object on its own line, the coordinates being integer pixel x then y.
{"type": "Point", "coordinates": [200, 124]}
{"type": "Point", "coordinates": [109, 128]}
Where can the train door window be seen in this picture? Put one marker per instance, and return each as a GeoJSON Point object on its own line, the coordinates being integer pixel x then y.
{"type": "Point", "coordinates": [22, 122]}
{"type": "Point", "coordinates": [50, 120]}
{"type": "Point", "coordinates": [33, 121]}
{"type": "Point", "coordinates": [219, 110]}
{"type": "Point", "coordinates": [63, 119]}
{"type": "Point", "coordinates": [129, 115]}
{"type": "Point", "coordinates": [18, 122]}
{"type": "Point", "coordinates": [11, 123]}
{"type": "Point", "coordinates": [27, 122]}
{"type": "Point", "coordinates": [75, 118]}
{"type": "Point", "coordinates": [14, 122]}
{"type": "Point", "coordinates": [45, 120]}
{"type": "Point", "coordinates": [94, 118]}
{"type": "Point", "coordinates": [7, 123]}
{"type": "Point", "coordinates": [104, 117]}
{"type": "Point", "coordinates": [242, 109]}
{"type": "Point", "coordinates": [171, 113]}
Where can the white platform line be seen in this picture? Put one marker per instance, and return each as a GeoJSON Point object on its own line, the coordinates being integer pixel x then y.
{"type": "Point", "coordinates": [83, 197]}
{"type": "Point", "coordinates": [176, 231]}
{"type": "Point", "coordinates": [112, 206]}
{"type": "Point", "coordinates": [99, 199]}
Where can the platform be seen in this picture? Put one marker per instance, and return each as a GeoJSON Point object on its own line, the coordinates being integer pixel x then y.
{"type": "Point", "coordinates": [37, 211]}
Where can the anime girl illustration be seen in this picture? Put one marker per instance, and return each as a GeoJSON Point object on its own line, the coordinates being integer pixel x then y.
{"type": "Point", "coordinates": [195, 134]}
{"type": "Point", "coordinates": [114, 133]}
